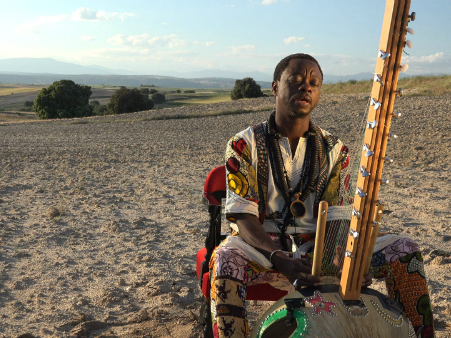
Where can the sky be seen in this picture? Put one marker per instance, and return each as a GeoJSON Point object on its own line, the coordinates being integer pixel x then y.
{"type": "Point", "coordinates": [151, 37]}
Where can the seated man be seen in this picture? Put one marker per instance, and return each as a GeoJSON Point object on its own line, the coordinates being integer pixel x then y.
{"type": "Point", "coordinates": [266, 165]}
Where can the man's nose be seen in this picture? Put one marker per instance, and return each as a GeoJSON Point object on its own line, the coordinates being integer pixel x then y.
{"type": "Point", "coordinates": [306, 87]}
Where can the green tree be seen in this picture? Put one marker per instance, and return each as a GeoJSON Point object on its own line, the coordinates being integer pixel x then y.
{"type": "Point", "coordinates": [97, 108]}
{"type": "Point", "coordinates": [158, 98]}
{"type": "Point", "coordinates": [178, 91]}
{"type": "Point", "coordinates": [126, 100]}
{"type": "Point", "coordinates": [63, 99]}
{"type": "Point", "coordinates": [246, 88]}
{"type": "Point", "coordinates": [153, 91]}
{"type": "Point", "coordinates": [144, 91]}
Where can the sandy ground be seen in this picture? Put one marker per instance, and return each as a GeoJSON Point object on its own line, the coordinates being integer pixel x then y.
{"type": "Point", "coordinates": [101, 218]}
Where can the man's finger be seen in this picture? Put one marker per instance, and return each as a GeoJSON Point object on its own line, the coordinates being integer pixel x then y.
{"type": "Point", "coordinates": [299, 266]}
{"type": "Point", "coordinates": [307, 278]}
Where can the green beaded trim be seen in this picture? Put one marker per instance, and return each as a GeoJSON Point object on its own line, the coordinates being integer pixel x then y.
{"type": "Point", "coordinates": [300, 316]}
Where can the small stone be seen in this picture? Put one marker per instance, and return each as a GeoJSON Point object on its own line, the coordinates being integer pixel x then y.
{"type": "Point", "coordinates": [138, 224]}
{"type": "Point", "coordinates": [122, 282]}
{"type": "Point", "coordinates": [26, 335]}
{"type": "Point", "coordinates": [147, 259]}
{"type": "Point", "coordinates": [440, 253]}
{"type": "Point", "coordinates": [446, 238]}
{"type": "Point", "coordinates": [448, 310]}
{"type": "Point", "coordinates": [141, 316]}
{"type": "Point", "coordinates": [53, 212]}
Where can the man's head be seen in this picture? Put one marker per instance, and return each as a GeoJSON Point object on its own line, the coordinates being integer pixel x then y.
{"type": "Point", "coordinates": [297, 85]}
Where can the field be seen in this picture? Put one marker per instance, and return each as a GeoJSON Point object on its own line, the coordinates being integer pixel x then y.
{"type": "Point", "coordinates": [101, 217]}
{"type": "Point", "coordinates": [412, 86]}
{"type": "Point", "coordinates": [7, 89]}
{"type": "Point", "coordinates": [12, 106]}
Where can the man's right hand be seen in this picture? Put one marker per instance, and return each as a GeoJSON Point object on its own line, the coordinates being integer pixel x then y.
{"type": "Point", "coordinates": [295, 268]}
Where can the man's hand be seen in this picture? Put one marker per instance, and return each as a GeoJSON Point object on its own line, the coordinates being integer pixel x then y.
{"type": "Point", "coordinates": [292, 268]}
{"type": "Point", "coordinates": [367, 280]}
{"type": "Point", "coordinates": [252, 232]}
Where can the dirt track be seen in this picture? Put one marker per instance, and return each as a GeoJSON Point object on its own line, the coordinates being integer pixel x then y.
{"type": "Point", "coordinates": [101, 218]}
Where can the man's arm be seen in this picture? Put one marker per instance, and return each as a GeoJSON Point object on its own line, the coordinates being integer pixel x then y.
{"type": "Point", "coordinates": [253, 234]}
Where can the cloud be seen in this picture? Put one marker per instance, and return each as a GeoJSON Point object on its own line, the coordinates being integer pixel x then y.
{"type": "Point", "coordinates": [146, 40]}
{"type": "Point", "coordinates": [80, 14]}
{"type": "Point", "coordinates": [164, 23]}
{"type": "Point", "coordinates": [33, 27]}
{"type": "Point", "coordinates": [240, 49]}
{"type": "Point", "coordinates": [87, 14]}
{"type": "Point", "coordinates": [87, 38]}
{"type": "Point", "coordinates": [269, 2]}
{"type": "Point", "coordinates": [435, 63]}
{"type": "Point", "coordinates": [209, 43]}
{"type": "Point", "coordinates": [306, 46]}
{"type": "Point", "coordinates": [293, 39]}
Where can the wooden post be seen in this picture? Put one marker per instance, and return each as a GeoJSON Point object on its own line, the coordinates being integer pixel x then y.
{"type": "Point", "coordinates": [392, 41]}
{"type": "Point", "coordinates": [319, 239]}
{"type": "Point", "coordinates": [374, 233]}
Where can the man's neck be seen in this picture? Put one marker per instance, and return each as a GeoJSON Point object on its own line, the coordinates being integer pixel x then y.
{"type": "Point", "coordinates": [293, 128]}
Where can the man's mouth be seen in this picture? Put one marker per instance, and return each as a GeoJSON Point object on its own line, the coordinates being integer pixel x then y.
{"type": "Point", "coordinates": [302, 101]}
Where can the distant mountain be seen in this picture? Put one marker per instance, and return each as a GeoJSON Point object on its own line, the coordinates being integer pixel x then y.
{"type": "Point", "coordinates": [51, 66]}
{"type": "Point", "coordinates": [257, 76]}
{"type": "Point", "coordinates": [47, 70]}
{"type": "Point", "coordinates": [124, 80]}
{"type": "Point", "coordinates": [358, 77]}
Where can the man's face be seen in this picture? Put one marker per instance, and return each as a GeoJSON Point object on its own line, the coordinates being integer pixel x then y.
{"type": "Point", "coordinates": [299, 88]}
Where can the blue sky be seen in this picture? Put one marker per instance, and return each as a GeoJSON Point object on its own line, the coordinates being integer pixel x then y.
{"type": "Point", "coordinates": [151, 37]}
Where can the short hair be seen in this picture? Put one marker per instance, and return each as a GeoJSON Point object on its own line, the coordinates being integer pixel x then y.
{"type": "Point", "coordinates": [283, 64]}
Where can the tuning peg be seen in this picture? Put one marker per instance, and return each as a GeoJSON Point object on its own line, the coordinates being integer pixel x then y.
{"type": "Point", "coordinates": [356, 213]}
{"type": "Point", "coordinates": [392, 135]}
{"type": "Point", "coordinates": [375, 103]}
{"type": "Point", "coordinates": [364, 172]}
{"type": "Point", "coordinates": [378, 78]}
{"type": "Point", "coordinates": [408, 43]}
{"type": "Point", "coordinates": [360, 192]}
{"type": "Point", "coordinates": [383, 55]}
{"type": "Point", "coordinates": [353, 233]}
{"type": "Point", "coordinates": [399, 92]}
{"type": "Point", "coordinates": [396, 114]}
{"type": "Point", "coordinates": [410, 31]}
{"type": "Point", "coordinates": [369, 152]}
{"type": "Point", "coordinates": [404, 68]}
{"type": "Point", "coordinates": [371, 125]}
{"type": "Point", "coordinates": [388, 159]}
{"type": "Point", "coordinates": [412, 17]}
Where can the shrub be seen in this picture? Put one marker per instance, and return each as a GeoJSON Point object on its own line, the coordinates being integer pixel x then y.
{"type": "Point", "coordinates": [128, 101]}
{"type": "Point", "coordinates": [189, 91]}
{"type": "Point", "coordinates": [29, 103]}
{"type": "Point", "coordinates": [144, 91]}
{"type": "Point", "coordinates": [158, 98]}
{"type": "Point", "coordinates": [100, 110]}
{"type": "Point", "coordinates": [153, 91]}
{"type": "Point", "coordinates": [352, 81]}
{"type": "Point", "coordinates": [245, 88]}
{"type": "Point", "coordinates": [63, 99]}
{"type": "Point", "coordinates": [97, 108]}
{"type": "Point", "coordinates": [178, 91]}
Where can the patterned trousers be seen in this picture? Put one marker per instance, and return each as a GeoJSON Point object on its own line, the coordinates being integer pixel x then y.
{"type": "Point", "coordinates": [400, 263]}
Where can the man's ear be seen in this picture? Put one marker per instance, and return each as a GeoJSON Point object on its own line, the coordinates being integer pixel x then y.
{"type": "Point", "coordinates": [274, 87]}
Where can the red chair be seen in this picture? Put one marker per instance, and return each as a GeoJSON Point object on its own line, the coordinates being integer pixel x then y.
{"type": "Point", "coordinates": [214, 192]}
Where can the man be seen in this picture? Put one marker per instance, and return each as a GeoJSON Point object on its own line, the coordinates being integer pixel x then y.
{"type": "Point", "coordinates": [266, 165]}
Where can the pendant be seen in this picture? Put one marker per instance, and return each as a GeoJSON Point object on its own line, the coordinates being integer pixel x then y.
{"type": "Point", "coordinates": [297, 207]}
